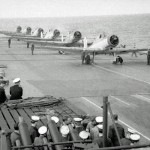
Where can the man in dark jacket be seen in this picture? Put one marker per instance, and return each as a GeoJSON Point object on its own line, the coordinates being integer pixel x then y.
{"type": "Point", "coordinates": [16, 90]}
{"type": "Point", "coordinates": [112, 133]}
{"type": "Point", "coordinates": [148, 57]}
{"type": "Point", "coordinates": [33, 131]}
{"type": "Point", "coordinates": [3, 97]}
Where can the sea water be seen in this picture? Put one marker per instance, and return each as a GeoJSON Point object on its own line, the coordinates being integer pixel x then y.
{"type": "Point", "coordinates": [131, 29]}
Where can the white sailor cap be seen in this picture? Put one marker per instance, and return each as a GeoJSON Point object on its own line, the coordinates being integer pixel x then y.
{"type": "Point", "coordinates": [84, 135]}
{"type": "Point", "coordinates": [35, 118]}
{"type": "Point", "coordinates": [131, 130]}
{"type": "Point", "coordinates": [77, 119]}
{"type": "Point", "coordinates": [56, 119]}
{"type": "Point", "coordinates": [135, 137]}
{"type": "Point", "coordinates": [100, 126]}
{"type": "Point", "coordinates": [64, 130]}
{"type": "Point", "coordinates": [99, 119]}
{"type": "Point", "coordinates": [100, 134]}
{"type": "Point", "coordinates": [16, 80]}
{"type": "Point", "coordinates": [42, 130]}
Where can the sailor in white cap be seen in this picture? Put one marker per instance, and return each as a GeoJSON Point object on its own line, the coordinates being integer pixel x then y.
{"type": "Point", "coordinates": [33, 130]}
{"type": "Point", "coordinates": [16, 90]}
{"type": "Point", "coordinates": [42, 138]}
{"type": "Point", "coordinates": [99, 119]}
{"type": "Point", "coordinates": [134, 138]}
{"type": "Point", "coordinates": [64, 130]}
{"type": "Point", "coordinates": [84, 135]}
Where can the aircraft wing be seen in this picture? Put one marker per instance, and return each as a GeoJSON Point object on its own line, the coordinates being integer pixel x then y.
{"type": "Point", "coordinates": [121, 51]}
{"type": "Point", "coordinates": [76, 50]}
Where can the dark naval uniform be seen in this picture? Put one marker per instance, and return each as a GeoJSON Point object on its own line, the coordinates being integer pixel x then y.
{"type": "Point", "coordinates": [113, 136]}
{"type": "Point", "coordinates": [33, 133]}
{"type": "Point", "coordinates": [16, 92]}
{"type": "Point", "coordinates": [148, 57]}
{"type": "Point", "coordinates": [2, 95]}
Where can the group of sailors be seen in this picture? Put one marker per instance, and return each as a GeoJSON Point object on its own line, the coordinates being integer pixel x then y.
{"type": "Point", "coordinates": [88, 128]}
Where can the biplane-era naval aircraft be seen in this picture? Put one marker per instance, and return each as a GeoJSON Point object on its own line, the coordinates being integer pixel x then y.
{"type": "Point", "coordinates": [101, 45]}
{"type": "Point", "coordinates": [26, 34]}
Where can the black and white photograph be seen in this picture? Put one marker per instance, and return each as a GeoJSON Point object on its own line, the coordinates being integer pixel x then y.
{"type": "Point", "coordinates": [74, 74]}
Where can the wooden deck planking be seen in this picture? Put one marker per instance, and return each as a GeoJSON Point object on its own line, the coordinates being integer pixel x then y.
{"type": "Point", "coordinates": [15, 114]}
{"type": "Point", "coordinates": [25, 116]}
{"type": "Point", "coordinates": [3, 123]}
{"type": "Point", "coordinates": [8, 117]}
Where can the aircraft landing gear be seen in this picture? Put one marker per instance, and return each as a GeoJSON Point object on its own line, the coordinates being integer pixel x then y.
{"type": "Point", "coordinates": [118, 60]}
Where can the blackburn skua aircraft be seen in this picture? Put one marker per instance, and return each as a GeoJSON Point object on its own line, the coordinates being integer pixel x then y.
{"type": "Point", "coordinates": [26, 34]}
{"type": "Point", "coordinates": [101, 45]}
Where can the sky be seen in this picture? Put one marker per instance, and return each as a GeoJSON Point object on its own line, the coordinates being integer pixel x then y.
{"type": "Point", "coordinates": [68, 8]}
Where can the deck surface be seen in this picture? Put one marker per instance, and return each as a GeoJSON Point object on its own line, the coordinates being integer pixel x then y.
{"type": "Point", "coordinates": [48, 73]}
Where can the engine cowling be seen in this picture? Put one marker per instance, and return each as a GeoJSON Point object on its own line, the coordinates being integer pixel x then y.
{"type": "Point", "coordinates": [28, 30]}
{"type": "Point", "coordinates": [56, 33]}
{"type": "Point", "coordinates": [106, 43]}
{"type": "Point", "coordinates": [77, 35]}
{"type": "Point", "coordinates": [19, 28]}
{"type": "Point", "coordinates": [113, 40]}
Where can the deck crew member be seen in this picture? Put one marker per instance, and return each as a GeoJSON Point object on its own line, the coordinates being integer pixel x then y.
{"type": "Point", "coordinates": [148, 57]}
{"type": "Point", "coordinates": [112, 133]}
{"type": "Point", "coordinates": [16, 90]}
{"type": "Point", "coordinates": [3, 97]}
{"type": "Point", "coordinates": [33, 130]}
{"type": "Point", "coordinates": [9, 42]}
{"type": "Point", "coordinates": [90, 124]}
{"type": "Point", "coordinates": [27, 44]}
{"type": "Point", "coordinates": [32, 48]}
{"type": "Point", "coordinates": [15, 136]}
{"type": "Point", "coordinates": [41, 139]}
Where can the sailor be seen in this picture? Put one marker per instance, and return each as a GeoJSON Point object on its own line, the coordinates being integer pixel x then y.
{"type": "Point", "coordinates": [112, 133]}
{"type": "Point", "coordinates": [90, 124]}
{"type": "Point", "coordinates": [84, 135]}
{"type": "Point", "coordinates": [126, 140]}
{"type": "Point", "coordinates": [32, 48]}
{"type": "Point", "coordinates": [3, 97]}
{"type": "Point", "coordinates": [9, 42]}
{"type": "Point", "coordinates": [33, 130]}
{"type": "Point", "coordinates": [134, 139]}
{"type": "Point", "coordinates": [94, 133]}
{"type": "Point", "coordinates": [15, 136]}
{"type": "Point", "coordinates": [41, 139]}
{"type": "Point", "coordinates": [134, 52]}
{"type": "Point", "coordinates": [87, 59]}
{"type": "Point", "coordinates": [64, 130]}
{"type": "Point", "coordinates": [148, 57]}
{"type": "Point", "coordinates": [99, 141]}
{"type": "Point", "coordinates": [16, 90]}
{"type": "Point", "coordinates": [27, 44]}
{"type": "Point", "coordinates": [119, 59]}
